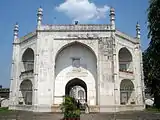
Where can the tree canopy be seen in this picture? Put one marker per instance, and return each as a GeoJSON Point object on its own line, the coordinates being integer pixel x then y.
{"type": "Point", "coordinates": [151, 56]}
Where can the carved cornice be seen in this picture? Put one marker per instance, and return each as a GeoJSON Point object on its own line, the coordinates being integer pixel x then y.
{"type": "Point", "coordinates": [76, 36]}
{"type": "Point", "coordinates": [127, 37]}
{"type": "Point", "coordinates": [72, 27]}
{"type": "Point", "coordinates": [28, 36]}
{"type": "Point", "coordinates": [71, 38]}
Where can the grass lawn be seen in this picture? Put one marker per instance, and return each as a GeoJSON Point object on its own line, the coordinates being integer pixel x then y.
{"type": "Point", "coordinates": [152, 109]}
{"type": "Point", "coordinates": [4, 110]}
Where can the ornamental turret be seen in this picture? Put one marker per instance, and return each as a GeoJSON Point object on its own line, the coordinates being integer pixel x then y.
{"type": "Point", "coordinates": [138, 32]}
{"type": "Point", "coordinates": [39, 16]}
{"type": "Point", "coordinates": [112, 18]}
{"type": "Point", "coordinates": [15, 34]}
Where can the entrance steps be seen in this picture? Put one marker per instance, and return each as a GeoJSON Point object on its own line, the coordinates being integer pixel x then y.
{"type": "Point", "coordinates": [92, 109]}
{"type": "Point", "coordinates": [58, 116]}
{"type": "Point", "coordinates": [56, 109]}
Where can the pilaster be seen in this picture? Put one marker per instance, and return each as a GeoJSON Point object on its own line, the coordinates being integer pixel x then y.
{"type": "Point", "coordinates": [114, 57]}
{"type": "Point", "coordinates": [138, 75]}
{"type": "Point", "coordinates": [36, 62]}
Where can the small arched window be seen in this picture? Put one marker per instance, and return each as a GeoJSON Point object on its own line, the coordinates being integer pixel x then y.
{"type": "Point", "coordinates": [28, 59]}
{"type": "Point", "coordinates": [125, 60]}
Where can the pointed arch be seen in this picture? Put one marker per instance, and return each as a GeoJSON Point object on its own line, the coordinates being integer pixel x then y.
{"type": "Point", "coordinates": [77, 88]}
{"type": "Point", "coordinates": [26, 92]}
{"type": "Point", "coordinates": [125, 60]}
{"type": "Point", "coordinates": [127, 95]}
{"type": "Point", "coordinates": [28, 59]}
{"type": "Point", "coordinates": [71, 55]}
{"type": "Point", "coordinates": [74, 43]}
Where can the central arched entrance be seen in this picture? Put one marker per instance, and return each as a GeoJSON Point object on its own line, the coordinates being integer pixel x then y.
{"type": "Point", "coordinates": [78, 89]}
{"type": "Point", "coordinates": [76, 72]}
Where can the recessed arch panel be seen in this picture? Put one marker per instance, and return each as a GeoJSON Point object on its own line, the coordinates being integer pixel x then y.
{"type": "Point", "coordinates": [127, 94]}
{"type": "Point", "coordinates": [125, 60]}
{"type": "Point", "coordinates": [74, 43]}
{"type": "Point", "coordinates": [28, 59]}
{"type": "Point", "coordinates": [26, 92]}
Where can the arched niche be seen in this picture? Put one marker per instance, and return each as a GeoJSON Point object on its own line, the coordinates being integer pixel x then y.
{"type": "Point", "coordinates": [26, 92]}
{"type": "Point", "coordinates": [76, 60]}
{"type": "Point", "coordinates": [125, 60]}
{"type": "Point", "coordinates": [76, 55]}
{"type": "Point", "coordinates": [127, 92]}
{"type": "Point", "coordinates": [28, 59]}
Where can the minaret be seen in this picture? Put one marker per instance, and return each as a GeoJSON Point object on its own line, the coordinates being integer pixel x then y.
{"type": "Point", "coordinates": [114, 56]}
{"type": "Point", "coordinates": [39, 16]}
{"type": "Point", "coordinates": [15, 34]}
{"type": "Point", "coordinates": [112, 18]}
{"type": "Point", "coordinates": [14, 88]}
{"type": "Point", "coordinates": [138, 32]}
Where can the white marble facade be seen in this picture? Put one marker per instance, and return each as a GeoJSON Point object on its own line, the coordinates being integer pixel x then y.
{"type": "Point", "coordinates": [104, 63]}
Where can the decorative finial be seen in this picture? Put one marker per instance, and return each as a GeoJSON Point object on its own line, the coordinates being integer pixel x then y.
{"type": "Point", "coordinates": [112, 17]}
{"type": "Point", "coordinates": [16, 30]}
{"type": "Point", "coordinates": [138, 32]}
{"type": "Point", "coordinates": [39, 16]}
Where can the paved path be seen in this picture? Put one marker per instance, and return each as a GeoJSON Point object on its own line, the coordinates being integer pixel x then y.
{"type": "Point", "coordinates": [98, 116]}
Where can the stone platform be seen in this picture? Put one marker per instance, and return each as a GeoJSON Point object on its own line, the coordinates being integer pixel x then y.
{"type": "Point", "coordinates": [92, 109]}
{"type": "Point", "coordinates": [21, 115]}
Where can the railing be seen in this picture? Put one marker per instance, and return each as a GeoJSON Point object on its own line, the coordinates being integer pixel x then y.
{"type": "Point", "coordinates": [122, 70]}
{"type": "Point", "coordinates": [125, 68]}
{"type": "Point", "coordinates": [28, 69]}
{"type": "Point", "coordinates": [28, 65]}
{"type": "Point", "coordinates": [27, 72]}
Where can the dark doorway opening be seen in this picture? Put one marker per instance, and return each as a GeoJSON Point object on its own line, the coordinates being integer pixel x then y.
{"type": "Point", "coordinates": [78, 89]}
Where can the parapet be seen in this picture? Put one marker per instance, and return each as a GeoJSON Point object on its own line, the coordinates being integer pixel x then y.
{"type": "Point", "coordinates": [73, 27]}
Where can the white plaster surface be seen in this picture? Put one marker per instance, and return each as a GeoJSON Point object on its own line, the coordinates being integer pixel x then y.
{"type": "Point", "coordinates": [54, 49]}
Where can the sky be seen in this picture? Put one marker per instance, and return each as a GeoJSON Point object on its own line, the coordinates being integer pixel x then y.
{"type": "Point", "coordinates": [128, 12]}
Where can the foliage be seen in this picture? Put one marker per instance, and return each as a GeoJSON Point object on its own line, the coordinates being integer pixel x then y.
{"type": "Point", "coordinates": [68, 104]}
{"type": "Point", "coordinates": [4, 109]}
{"type": "Point", "coordinates": [151, 57]}
{"type": "Point", "coordinates": [70, 108]}
{"type": "Point", "coordinates": [153, 109]}
{"type": "Point", "coordinates": [72, 114]}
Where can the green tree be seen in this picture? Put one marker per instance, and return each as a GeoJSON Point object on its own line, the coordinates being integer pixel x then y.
{"type": "Point", "coordinates": [151, 57]}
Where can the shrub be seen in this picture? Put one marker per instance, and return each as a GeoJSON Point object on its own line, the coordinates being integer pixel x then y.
{"type": "Point", "coordinates": [70, 108]}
